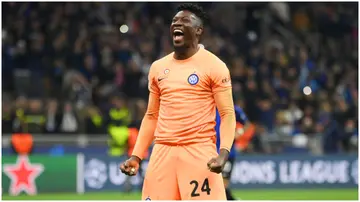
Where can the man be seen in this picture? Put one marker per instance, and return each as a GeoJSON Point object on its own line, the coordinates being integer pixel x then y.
{"type": "Point", "coordinates": [117, 122]}
{"type": "Point", "coordinates": [33, 118]}
{"type": "Point", "coordinates": [185, 87]}
{"type": "Point", "coordinates": [243, 133]}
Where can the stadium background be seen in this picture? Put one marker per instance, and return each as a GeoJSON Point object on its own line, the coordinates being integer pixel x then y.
{"type": "Point", "coordinates": [294, 71]}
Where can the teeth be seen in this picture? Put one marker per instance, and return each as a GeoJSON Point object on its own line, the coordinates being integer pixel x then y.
{"type": "Point", "coordinates": [178, 31]}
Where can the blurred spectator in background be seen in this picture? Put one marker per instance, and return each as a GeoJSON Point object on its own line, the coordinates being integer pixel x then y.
{"type": "Point", "coordinates": [53, 118]}
{"type": "Point", "coordinates": [69, 123]}
{"type": "Point", "coordinates": [34, 117]}
{"type": "Point", "coordinates": [94, 121]}
{"type": "Point", "coordinates": [140, 110]}
{"type": "Point", "coordinates": [8, 117]}
{"type": "Point", "coordinates": [117, 122]}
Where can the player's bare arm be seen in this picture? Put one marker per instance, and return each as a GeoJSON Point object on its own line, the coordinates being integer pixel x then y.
{"type": "Point", "coordinates": [224, 103]}
{"type": "Point", "coordinates": [146, 136]}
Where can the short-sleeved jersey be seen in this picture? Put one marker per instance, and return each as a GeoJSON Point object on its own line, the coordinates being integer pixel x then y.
{"type": "Point", "coordinates": [186, 90]}
{"type": "Point", "coordinates": [240, 118]}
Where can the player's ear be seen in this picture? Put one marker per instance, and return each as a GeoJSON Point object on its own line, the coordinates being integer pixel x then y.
{"type": "Point", "coordinates": [199, 31]}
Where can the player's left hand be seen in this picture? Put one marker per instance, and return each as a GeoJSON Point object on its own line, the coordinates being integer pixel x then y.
{"type": "Point", "coordinates": [217, 164]}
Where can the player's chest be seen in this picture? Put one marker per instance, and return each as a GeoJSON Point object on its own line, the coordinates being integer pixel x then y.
{"type": "Point", "coordinates": [182, 78]}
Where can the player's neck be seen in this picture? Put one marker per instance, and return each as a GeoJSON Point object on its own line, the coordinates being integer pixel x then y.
{"type": "Point", "coordinates": [186, 53]}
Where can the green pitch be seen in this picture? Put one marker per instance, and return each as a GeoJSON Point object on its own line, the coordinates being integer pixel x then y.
{"type": "Point", "coordinates": [256, 194]}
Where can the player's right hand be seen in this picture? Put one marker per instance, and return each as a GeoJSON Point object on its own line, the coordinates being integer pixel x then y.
{"type": "Point", "coordinates": [131, 166]}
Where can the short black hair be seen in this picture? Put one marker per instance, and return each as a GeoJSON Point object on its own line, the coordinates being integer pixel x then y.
{"type": "Point", "coordinates": [195, 9]}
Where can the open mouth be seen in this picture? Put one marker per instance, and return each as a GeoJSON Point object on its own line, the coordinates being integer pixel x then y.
{"type": "Point", "coordinates": [178, 35]}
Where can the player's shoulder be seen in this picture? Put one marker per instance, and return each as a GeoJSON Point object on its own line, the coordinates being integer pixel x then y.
{"type": "Point", "coordinates": [211, 58]}
{"type": "Point", "coordinates": [163, 61]}
{"type": "Point", "coordinates": [213, 64]}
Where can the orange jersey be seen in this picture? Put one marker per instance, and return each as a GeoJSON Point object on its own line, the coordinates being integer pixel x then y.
{"type": "Point", "coordinates": [186, 91]}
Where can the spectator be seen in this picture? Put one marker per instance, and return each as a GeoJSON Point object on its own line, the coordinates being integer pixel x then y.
{"type": "Point", "coordinates": [8, 118]}
{"type": "Point", "coordinates": [140, 110]}
{"type": "Point", "coordinates": [94, 121]}
{"type": "Point", "coordinates": [34, 117]}
{"type": "Point", "coordinates": [117, 122]}
{"type": "Point", "coordinates": [69, 123]}
{"type": "Point", "coordinates": [53, 118]}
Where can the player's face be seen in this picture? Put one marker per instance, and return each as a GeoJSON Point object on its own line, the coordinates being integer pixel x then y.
{"type": "Point", "coordinates": [183, 29]}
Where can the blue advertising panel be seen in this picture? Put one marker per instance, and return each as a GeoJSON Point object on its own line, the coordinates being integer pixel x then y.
{"type": "Point", "coordinates": [283, 171]}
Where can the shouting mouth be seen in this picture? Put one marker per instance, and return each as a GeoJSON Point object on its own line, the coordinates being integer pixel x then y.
{"type": "Point", "coordinates": [178, 35]}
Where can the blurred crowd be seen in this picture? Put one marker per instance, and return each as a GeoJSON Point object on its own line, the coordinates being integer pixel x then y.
{"type": "Point", "coordinates": [70, 67]}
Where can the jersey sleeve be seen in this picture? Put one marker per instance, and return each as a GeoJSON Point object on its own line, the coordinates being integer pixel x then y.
{"type": "Point", "coordinates": [148, 126]}
{"type": "Point", "coordinates": [220, 78]}
{"type": "Point", "coordinates": [153, 85]}
{"type": "Point", "coordinates": [149, 122]}
{"type": "Point", "coordinates": [225, 106]}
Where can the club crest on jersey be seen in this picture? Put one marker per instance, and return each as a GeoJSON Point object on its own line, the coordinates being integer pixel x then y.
{"type": "Point", "coordinates": [193, 79]}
